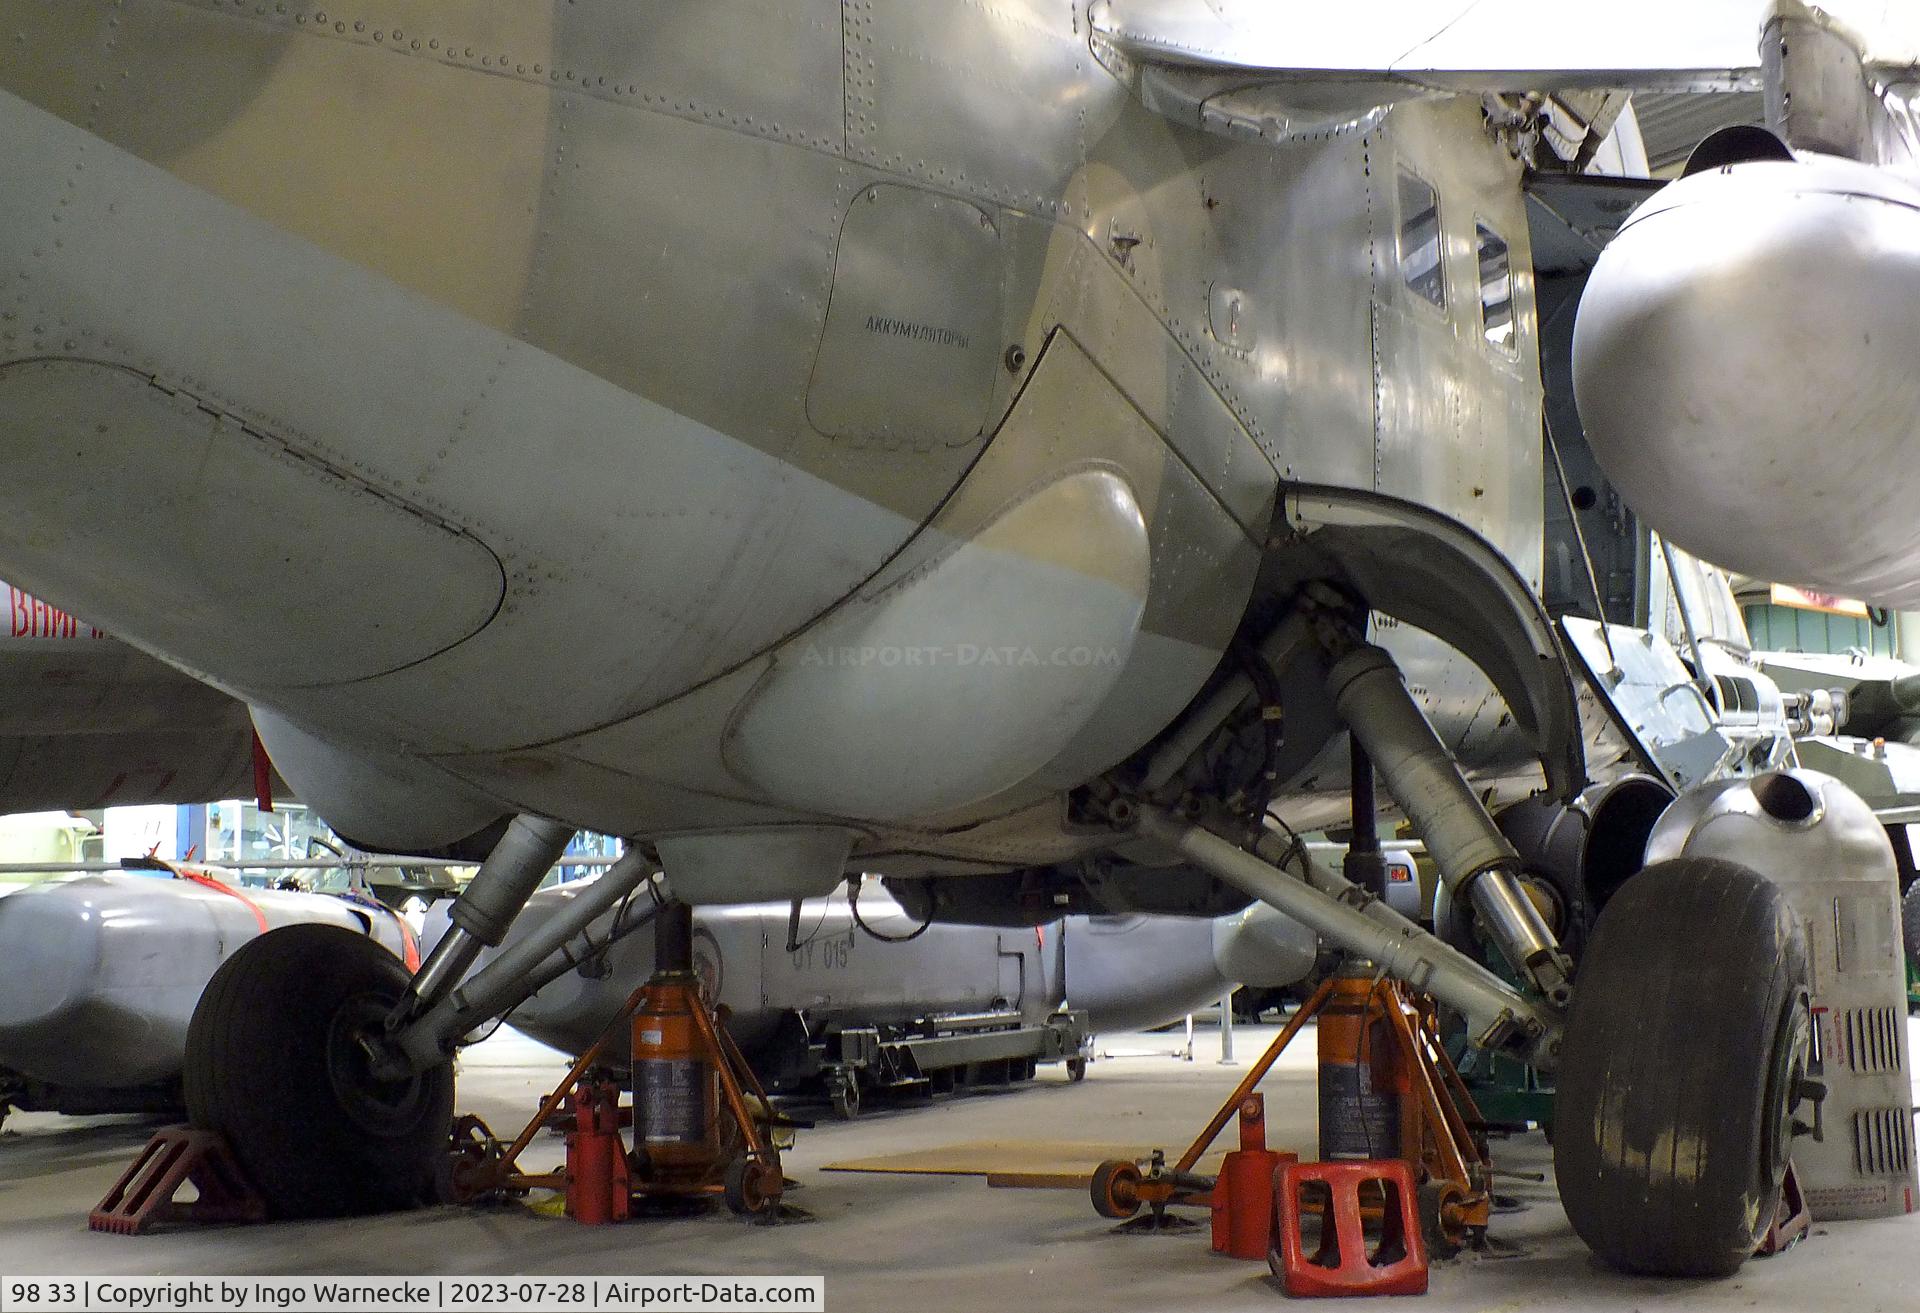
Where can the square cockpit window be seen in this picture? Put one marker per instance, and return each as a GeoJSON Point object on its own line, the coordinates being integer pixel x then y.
{"type": "Point", "coordinates": [1420, 262]}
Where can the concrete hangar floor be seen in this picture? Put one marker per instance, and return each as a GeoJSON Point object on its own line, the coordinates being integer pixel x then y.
{"type": "Point", "coordinates": [900, 1242]}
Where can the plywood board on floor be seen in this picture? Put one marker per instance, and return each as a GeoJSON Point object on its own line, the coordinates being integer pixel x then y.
{"type": "Point", "coordinates": [1061, 1160]}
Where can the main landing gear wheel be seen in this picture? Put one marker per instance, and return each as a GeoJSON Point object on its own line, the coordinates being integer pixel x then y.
{"type": "Point", "coordinates": [275, 1064]}
{"type": "Point", "coordinates": [1681, 1069]}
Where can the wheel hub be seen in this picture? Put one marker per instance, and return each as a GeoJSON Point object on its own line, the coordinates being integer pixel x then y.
{"type": "Point", "coordinates": [1786, 1075]}
{"type": "Point", "coordinates": [378, 1104]}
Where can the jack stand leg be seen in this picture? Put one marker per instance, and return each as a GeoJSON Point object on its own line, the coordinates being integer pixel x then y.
{"type": "Point", "coordinates": [1255, 1074]}
{"type": "Point", "coordinates": [1455, 1174]}
{"type": "Point", "coordinates": [572, 1078]}
{"type": "Point", "coordinates": [1120, 1189]}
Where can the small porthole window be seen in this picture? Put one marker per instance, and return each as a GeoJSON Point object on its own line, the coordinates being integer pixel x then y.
{"type": "Point", "coordinates": [1420, 262]}
{"type": "Point", "coordinates": [1496, 288]}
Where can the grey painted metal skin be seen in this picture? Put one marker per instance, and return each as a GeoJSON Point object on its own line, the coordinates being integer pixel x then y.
{"type": "Point", "coordinates": [1839, 874]}
{"type": "Point", "coordinates": [86, 721]}
{"type": "Point", "coordinates": [103, 972]}
{"type": "Point", "coordinates": [807, 434]}
{"type": "Point", "coordinates": [1126, 972]}
{"type": "Point", "coordinates": [861, 418]}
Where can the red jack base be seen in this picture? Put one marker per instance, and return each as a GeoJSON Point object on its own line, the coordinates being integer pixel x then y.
{"type": "Point", "coordinates": [1343, 1264]}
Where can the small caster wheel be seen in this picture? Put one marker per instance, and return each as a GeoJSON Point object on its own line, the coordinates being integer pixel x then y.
{"type": "Point", "coordinates": [1441, 1224]}
{"type": "Point", "coordinates": [753, 1188]}
{"type": "Point", "coordinates": [1076, 1069]}
{"type": "Point", "coordinates": [844, 1095]}
{"type": "Point", "coordinates": [1115, 1189]}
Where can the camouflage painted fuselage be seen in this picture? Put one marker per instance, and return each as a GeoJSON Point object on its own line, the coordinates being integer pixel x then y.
{"type": "Point", "coordinates": [677, 416]}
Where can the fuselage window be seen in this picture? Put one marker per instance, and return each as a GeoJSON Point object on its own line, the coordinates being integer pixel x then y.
{"type": "Point", "coordinates": [1420, 262]}
{"type": "Point", "coordinates": [1496, 288]}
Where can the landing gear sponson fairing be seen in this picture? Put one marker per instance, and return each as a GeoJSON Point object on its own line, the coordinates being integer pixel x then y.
{"type": "Point", "coordinates": [973, 444]}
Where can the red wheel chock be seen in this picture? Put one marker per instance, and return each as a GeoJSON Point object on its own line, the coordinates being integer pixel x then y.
{"type": "Point", "coordinates": [143, 1196]}
{"type": "Point", "coordinates": [1343, 1263]}
{"type": "Point", "coordinates": [1791, 1219]}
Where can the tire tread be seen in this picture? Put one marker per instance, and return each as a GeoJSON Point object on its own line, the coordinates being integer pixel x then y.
{"type": "Point", "coordinates": [1658, 1122]}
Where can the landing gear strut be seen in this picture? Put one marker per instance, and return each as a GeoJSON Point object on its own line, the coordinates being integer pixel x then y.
{"type": "Point", "coordinates": [1689, 1027]}
{"type": "Point", "coordinates": [1475, 859]}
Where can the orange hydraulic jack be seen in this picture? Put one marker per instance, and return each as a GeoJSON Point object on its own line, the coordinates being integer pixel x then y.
{"type": "Point", "coordinates": [1414, 1107]}
{"type": "Point", "coordinates": [694, 1132]}
{"type": "Point", "coordinates": [1388, 1090]}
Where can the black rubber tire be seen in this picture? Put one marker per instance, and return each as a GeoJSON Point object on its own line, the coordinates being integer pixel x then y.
{"type": "Point", "coordinates": [1910, 923]}
{"type": "Point", "coordinates": [1076, 1069]}
{"type": "Point", "coordinates": [265, 1067]}
{"type": "Point", "coordinates": [844, 1095]}
{"type": "Point", "coordinates": [1674, 1085]}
